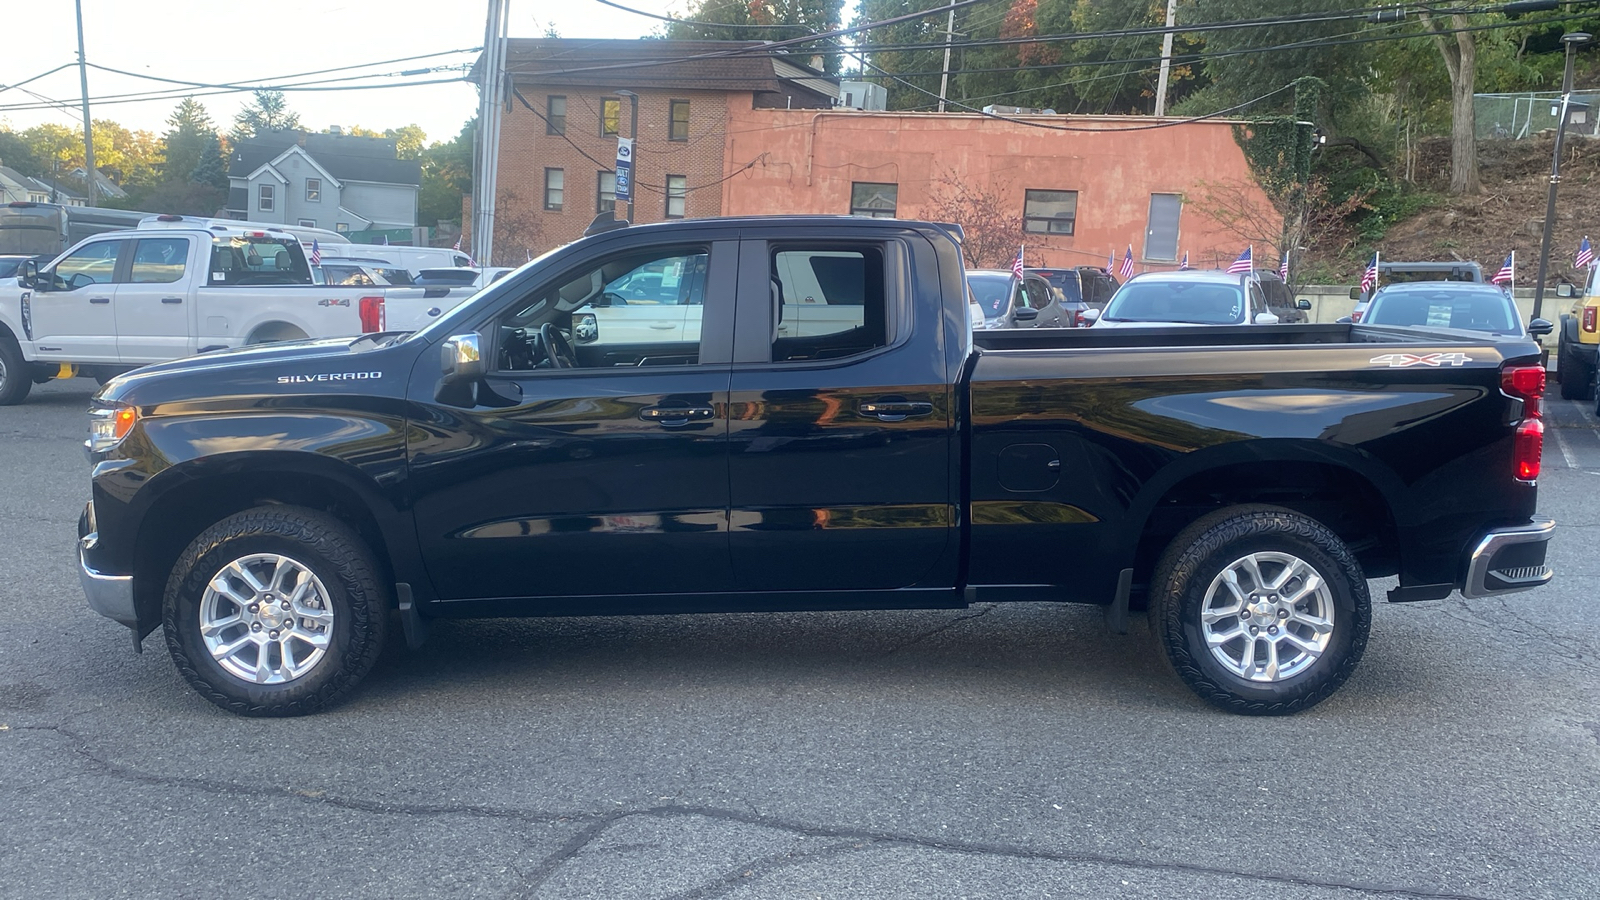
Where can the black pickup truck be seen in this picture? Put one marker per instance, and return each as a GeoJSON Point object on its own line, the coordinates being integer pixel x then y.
{"type": "Point", "coordinates": [797, 418]}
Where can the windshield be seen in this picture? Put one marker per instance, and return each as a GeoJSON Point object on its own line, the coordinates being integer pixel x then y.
{"type": "Point", "coordinates": [992, 292]}
{"type": "Point", "coordinates": [1488, 311]}
{"type": "Point", "coordinates": [1180, 302]}
{"type": "Point", "coordinates": [1064, 284]}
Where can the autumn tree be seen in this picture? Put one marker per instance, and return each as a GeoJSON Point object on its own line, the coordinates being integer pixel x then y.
{"type": "Point", "coordinates": [747, 20]}
{"type": "Point", "coordinates": [992, 230]}
{"type": "Point", "coordinates": [408, 140]}
{"type": "Point", "coordinates": [446, 177]}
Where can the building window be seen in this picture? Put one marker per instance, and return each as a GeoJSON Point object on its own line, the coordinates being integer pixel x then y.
{"type": "Point", "coordinates": [342, 227]}
{"type": "Point", "coordinates": [610, 116]}
{"type": "Point", "coordinates": [265, 198]}
{"type": "Point", "coordinates": [677, 195]}
{"type": "Point", "coordinates": [555, 115]}
{"type": "Point", "coordinates": [307, 223]}
{"type": "Point", "coordinates": [313, 190]}
{"type": "Point", "coordinates": [1161, 231]}
{"type": "Point", "coordinates": [1050, 212]}
{"type": "Point", "coordinates": [605, 193]}
{"type": "Point", "coordinates": [679, 126]}
{"type": "Point", "coordinates": [871, 199]}
{"type": "Point", "coordinates": [555, 188]}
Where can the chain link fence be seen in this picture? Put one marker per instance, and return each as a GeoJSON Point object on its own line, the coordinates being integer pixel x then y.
{"type": "Point", "coordinates": [1518, 117]}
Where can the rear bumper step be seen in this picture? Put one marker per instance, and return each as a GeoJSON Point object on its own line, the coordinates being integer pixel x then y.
{"type": "Point", "coordinates": [1507, 560]}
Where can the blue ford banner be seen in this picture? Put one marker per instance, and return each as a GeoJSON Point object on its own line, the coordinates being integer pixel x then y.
{"type": "Point", "coordinates": [624, 170]}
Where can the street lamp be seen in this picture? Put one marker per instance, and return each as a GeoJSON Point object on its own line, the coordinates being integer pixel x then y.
{"type": "Point", "coordinates": [633, 132]}
{"type": "Point", "coordinates": [1573, 41]}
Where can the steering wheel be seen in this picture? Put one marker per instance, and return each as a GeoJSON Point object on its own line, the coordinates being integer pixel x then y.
{"type": "Point", "coordinates": [73, 283]}
{"type": "Point", "coordinates": [557, 348]}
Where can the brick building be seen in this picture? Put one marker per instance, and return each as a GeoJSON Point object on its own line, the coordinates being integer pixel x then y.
{"type": "Point", "coordinates": [558, 141]}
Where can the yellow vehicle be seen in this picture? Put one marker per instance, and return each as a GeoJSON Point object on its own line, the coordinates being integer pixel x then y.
{"type": "Point", "coordinates": [1579, 339]}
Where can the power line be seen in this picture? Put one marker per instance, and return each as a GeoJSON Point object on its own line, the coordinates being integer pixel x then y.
{"type": "Point", "coordinates": [677, 21]}
{"type": "Point", "coordinates": [7, 87]}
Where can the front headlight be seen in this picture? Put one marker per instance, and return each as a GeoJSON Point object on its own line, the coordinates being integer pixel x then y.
{"type": "Point", "coordinates": [108, 425]}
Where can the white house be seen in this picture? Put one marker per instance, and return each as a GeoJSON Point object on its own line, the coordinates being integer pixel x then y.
{"type": "Point", "coordinates": [335, 181]}
{"type": "Point", "coordinates": [17, 187]}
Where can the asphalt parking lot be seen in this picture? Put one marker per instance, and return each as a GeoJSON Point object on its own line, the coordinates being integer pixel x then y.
{"type": "Point", "coordinates": [1001, 751]}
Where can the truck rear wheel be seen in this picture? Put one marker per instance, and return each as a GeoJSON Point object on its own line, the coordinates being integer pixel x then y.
{"type": "Point", "coordinates": [1576, 377]}
{"type": "Point", "coordinates": [275, 611]}
{"type": "Point", "coordinates": [16, 378]}
{"type": "Point", "coordinates": [1260, 610]}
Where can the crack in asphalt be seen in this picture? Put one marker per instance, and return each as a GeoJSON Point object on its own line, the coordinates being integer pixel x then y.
{"type": "Point", "coordinates": [917, 639]}
{"type": "Point", "coordinates": [1563, 647]}
{"type": "Point", "coordinates": [766, 865]}
{"type": "Point", "coordinates": [598, 823]}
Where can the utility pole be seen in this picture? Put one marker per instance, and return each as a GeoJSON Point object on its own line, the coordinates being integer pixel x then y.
{"type": "Point", "coordinates": [944, 78]}
{"type": "Point", "coordinates": [491, 107]}
{"type": "Point", "coordinates": [1573, 40]}
{"type": "Point", "coordinates": [1166, 59]}
{"type": "Point", "coordinates": [89, 174]}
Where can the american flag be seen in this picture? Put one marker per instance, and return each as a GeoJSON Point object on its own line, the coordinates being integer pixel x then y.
{"type": "Point", "coordinates": [1126, 271]}
{"type": "Point", "coordinates": [316, 253]}
{"type": "Point", "coordinates": [1111, 262]}
{"type": "Point", "coordinates": [458, 243]}
{"type": "Point", "coordinates": [1016, 264]}
{"type": "Point", "coordinates": [1243, 264]}
{"type": "Point", "coordinates": [1585, 255]}
{"type": "Point", "coordinates": [1283, 268]}
{"type": "Point", "coordinates": [1185, 264]}
{"type": "Point", "coordinates": [1507, 272]}
{"type": "Point", "coordinates": [1369, 278]}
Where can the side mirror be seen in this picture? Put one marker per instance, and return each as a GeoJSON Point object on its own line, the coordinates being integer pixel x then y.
{"type": "Point", "coordinates": [1540, 327]}
{"type": "Point", "coordinates": [1565, 290]}
{"type": "Point", "coordinates": [461, 364]}
{"type": "Point", "coordinates": [1026, 314]}
{"type": "Point", "coordinates": [1266, 318]}
{"type": "Point", "coordinates": [28, 273]}
{"type": "Point", "coordinates": [1302, 304]}
{"type": "Point", "coordinates": [1355, 293]}
{"type": "Point", "coordinates": [1090, 316]}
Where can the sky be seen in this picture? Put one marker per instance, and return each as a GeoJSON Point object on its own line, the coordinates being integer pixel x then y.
{"type": "Point", "coordinates": [220, 43]}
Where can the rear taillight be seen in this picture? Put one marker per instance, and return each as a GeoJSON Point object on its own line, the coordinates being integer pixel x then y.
{"type": "Point", "coordinates": [1355, 317]}
{"type": "Point", "coordinates": [1526, 383]}
{"type": "Point", "coordinates": [1588, 318]}
{"type": "Point", "coordinates": [372, 315]}
{"type": "Point", "coordinates": [1529, 449]}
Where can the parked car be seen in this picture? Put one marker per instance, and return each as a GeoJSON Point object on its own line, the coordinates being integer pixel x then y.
{"type": "Point", "coordinates": [1012, 303]}
{"type": "Point", "coordinates": [413, 259]}
{"type": "Point", "coordinates": [1077, 289]}
{"type": "Point", "coordinates": [1408, 272]}
{"type": "Point", "coordinates": [1450, 304]}
{"type": "Point", "coordinates": [1186, 297]}
{"type": "Point", "coordinates": [1579, 337]}
{"type": "Point", "coordinates": [272, 506]}
{"type": "Point", "coordinates": [9, 264]}
{"type": "Point", "coordinates": [346, 274]}
{"type": "Point", "coordinates": [1281, 301]}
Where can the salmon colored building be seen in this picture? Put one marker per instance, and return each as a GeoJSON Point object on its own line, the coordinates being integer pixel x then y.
{"type": "Point", "coordinates": [1079, 195]}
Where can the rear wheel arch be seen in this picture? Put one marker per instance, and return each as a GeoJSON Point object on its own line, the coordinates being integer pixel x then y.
{"type": "Point", "coordinates": [192, 497]}
{"type": "Point", "coordinates": [1342, 491]}
{"type": "Point", "coordinates": [274, 332]}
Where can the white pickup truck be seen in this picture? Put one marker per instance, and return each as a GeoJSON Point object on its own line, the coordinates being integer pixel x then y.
{"type": "Point", "coordinates": [125, 299]}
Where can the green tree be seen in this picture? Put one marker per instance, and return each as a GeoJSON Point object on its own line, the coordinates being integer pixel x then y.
{"type": "Point", "coordinates": [446, 177]}
{"type": "Point", "coordinates": [408, 139]}
{"type": "Point", "coordinates": [15, 153]}
{"type": "Point", "coordinates": [212, 168]}
{"type": "Point", "coordinates": [190, 130]}
{"type": "Point", "coordinates": [781, 18]}
{"type": "Point", "coordinates": [267, 111]}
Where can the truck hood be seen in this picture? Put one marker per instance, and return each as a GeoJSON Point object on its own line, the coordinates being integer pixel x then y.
{"type": "Point", "coordinates": [306, 362]}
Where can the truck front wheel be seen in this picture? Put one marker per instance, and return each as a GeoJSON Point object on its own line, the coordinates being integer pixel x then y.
{"type": "Point", "coordinates": [16, 378]}
{"type": "Point", "coordinates": [1260, 610]}
{"type": "Point", "coordinates": [275, 611]}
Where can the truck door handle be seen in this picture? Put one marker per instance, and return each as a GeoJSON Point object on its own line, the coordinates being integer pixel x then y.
{"type": "Point", "coordinates": [171, 299]}
{"type": "Point", "coordinates": [663, 326]}
{"type": "Point", "coordinates": [99, 299]}
{"type": "Point", "coordinates": [674, 416]}
{"type": "Point", "coordinates": [896, 410]}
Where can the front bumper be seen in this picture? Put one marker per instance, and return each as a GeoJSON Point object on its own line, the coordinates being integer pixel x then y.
{"type": "Point", "coordinates": [109, 595]}
{"type": "Point", "coordinates": [1507, 560]}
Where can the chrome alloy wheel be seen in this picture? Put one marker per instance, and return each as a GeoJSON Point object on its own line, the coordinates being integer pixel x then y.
{"type": "Point", "coordinates": [1267, 616]}
{"type": "Point", "coordinates": [266, 619]}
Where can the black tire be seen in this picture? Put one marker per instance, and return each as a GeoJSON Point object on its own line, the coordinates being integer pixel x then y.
{"type": "Point", "coordinates": [1576, 376]}
{"type": "Point", "coordinates": [1201, 554]}
{"type": "Point", "coordinates": [345, 571]}
{"type": "Point", "coordinates": [16, 376]}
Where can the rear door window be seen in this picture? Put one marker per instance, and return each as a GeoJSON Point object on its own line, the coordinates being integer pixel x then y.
{"type": "Point", "coordinates": [160, 260]}
{"type": "Point", "coordinates": [828, 302]}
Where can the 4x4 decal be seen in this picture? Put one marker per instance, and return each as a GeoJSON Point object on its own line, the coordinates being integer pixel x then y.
{"type": "Point", "coordinates": [1406, 360]}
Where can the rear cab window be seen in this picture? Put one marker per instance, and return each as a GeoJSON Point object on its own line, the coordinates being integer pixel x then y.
{"type": "Point", "coordinates": [256, 259]}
